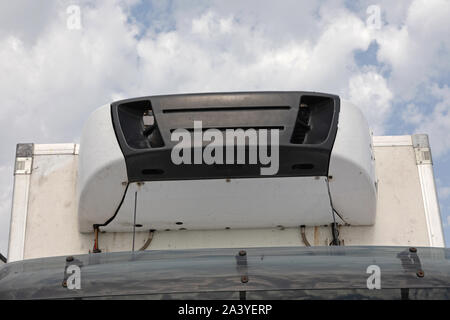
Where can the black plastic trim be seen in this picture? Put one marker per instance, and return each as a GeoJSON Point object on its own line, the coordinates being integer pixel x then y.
{"type": "Point", "coordinates": [224, 110]}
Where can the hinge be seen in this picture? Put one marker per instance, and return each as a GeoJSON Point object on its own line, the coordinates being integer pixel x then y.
{"type": "Point", "coordinates": [422, 149]}
{"type": "Point", "coordinates": [23, 165]}
{"type": "Point", "coordinates": [423, 156]}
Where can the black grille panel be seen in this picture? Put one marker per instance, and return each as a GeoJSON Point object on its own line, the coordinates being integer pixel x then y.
{"type": "Point", "coordinates": [307, 124]}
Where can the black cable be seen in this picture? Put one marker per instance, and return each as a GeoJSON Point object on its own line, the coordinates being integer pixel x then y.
{"type": "Point", "coordinates": [340, 216]}
{"type": "Point", "coordinates": [334, 229]}
{"type": "Point", "coordinates": [335, 233]}
{"type": "Point", "coordinates": [2, 258]}
{"type": "Point", "coordinates": [117, 210]}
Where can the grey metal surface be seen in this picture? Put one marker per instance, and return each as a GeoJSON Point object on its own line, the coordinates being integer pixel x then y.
{"type": "Point", "coordinates": [163, 274]}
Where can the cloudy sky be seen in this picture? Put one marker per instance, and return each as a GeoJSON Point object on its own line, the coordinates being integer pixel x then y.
{"type": "Point", "coordinates": [55, 69]}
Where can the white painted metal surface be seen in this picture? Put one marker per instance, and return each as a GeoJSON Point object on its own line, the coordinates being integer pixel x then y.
{"type": "Point", "coordinates": [102, 172]}
{"type": "Point", "coordinates": [19, 208]}
{"type": "Point", "coordinates": [352, 168]}
{"type": "Point", "coordinates": [392, 141]}
{"type": "Point", "coordinates": [434, 222]}
{"type": "Point", "coordinates": [220, 203]}
{"type": "Point", "coordinates": [60, 148]}
{"type": "Point", "coordinates": [430, 201]}
{"type": "Point", "coordinates": [45, 221]}
{"type": "Point", "coordinates": [400, 218]}
{"type": "Point", "coordinates": [424, 164]}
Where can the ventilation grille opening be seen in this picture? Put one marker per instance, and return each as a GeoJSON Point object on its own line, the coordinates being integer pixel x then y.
{"type": "Point", "coordinates": [139, 125]}
{"type": "Point", "coordinates": [303, 166]}
{"type": "Point", "coordinates": [152, 172]}
{"type": "Point", "coordinates": [225, 108]}
{"type": "Point", "coordinates": [151, 130]}
{"type": "Point", "coordinates": [224, 129]}
{"type": "Point", "coordinates": [314, 118]}
{"type": "Point", "coordinates": [301, 124]}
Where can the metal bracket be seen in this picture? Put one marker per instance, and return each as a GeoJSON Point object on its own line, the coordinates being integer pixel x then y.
{"type": "Point", "coordinates": [23, 166]}
{"type": "Point", "coordinates": [242, 269]}
{"type": "Point", "coordinates": [423, 156]}
{"type": "Point", "coordinates": [24, 158]}
{"type": "Point", "coordinates": [422, 150]}
{"type": "Point", "coordinates": [411, 262]}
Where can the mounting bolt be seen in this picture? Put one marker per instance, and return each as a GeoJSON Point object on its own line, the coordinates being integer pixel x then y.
{"type": "Point", "coordinates": [420, 273]}
{"type": "Point", "coordinates": [412, 249]}
{"type": "Point", "coordinates": [242, 253]}
{"type": "Point", "coordinates": [69, 259]}
{"type": "Point", "coordinates": [64, 284]}
{"type": "Point", "coordinates": [244, 279]}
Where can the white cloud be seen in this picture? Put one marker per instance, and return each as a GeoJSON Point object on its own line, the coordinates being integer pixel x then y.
{"type": "Point", "coordinates": [417, 50]}
{"type": "Point", "coordinates": [412, 114]}
{"type": "Point", "coordinates": [446, 223]}
{"type": "Point", "coordinates": [221, 52]}
{"type": "Point", "coordinates": [436, 123]}
{"type": "Point", "coordinates": [370, 92]}
{"type": "Point", "coordinates": [444, 192]}
{"type": "Point", "coordinates": [26, 19]}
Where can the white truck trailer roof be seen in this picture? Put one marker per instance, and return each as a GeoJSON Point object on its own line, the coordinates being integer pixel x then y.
{"type": "Point", "coordinates": [44, 219]}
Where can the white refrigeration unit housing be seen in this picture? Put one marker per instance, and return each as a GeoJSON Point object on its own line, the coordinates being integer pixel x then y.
{"type": "Point", "coordinates": [120, 180]}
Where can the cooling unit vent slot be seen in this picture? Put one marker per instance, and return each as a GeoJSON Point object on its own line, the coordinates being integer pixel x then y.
{"type": "Point", "coordinates": [313, 122]}
{"type": "Point", "coordinates": [139, 125]}
{"type": "Point", "coordinates": [301, 125]}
